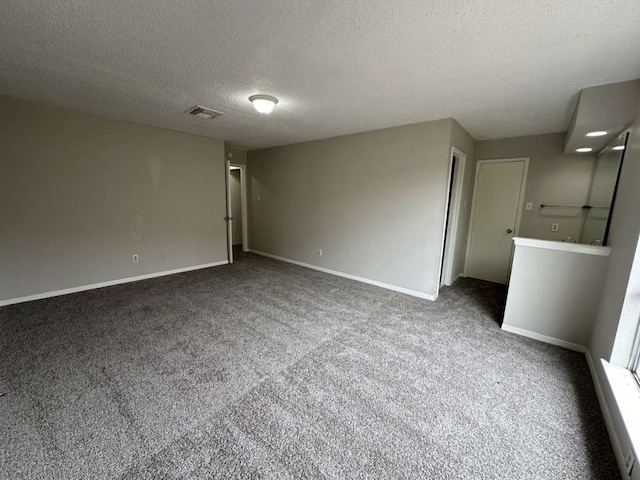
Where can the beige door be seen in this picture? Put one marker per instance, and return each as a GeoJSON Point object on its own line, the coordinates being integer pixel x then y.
{"type": "Point", "coordinates": [497, 204]}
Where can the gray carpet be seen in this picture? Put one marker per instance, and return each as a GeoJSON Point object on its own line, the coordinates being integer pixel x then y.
{"type": "Point", "coordinates": [267, 370]}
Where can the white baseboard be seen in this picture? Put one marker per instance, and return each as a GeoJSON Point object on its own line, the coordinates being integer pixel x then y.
{"type": "Point", "coordinates": [606, 415]}
{"type": "Point", "coordinates": [93, 286]}
{"type": "Point", "coordinates": [544, 338]}
{"type": "Point", "coordinates": [407, 291]}
{"type": "Point", "coordinates": [453, 280]}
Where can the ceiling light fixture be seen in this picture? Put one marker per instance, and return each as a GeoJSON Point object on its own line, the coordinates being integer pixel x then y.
{"type": "Point", "coordinates": [599, 133]}
{"type": "Point", "coordinates": [584, 150]}
{"type": "Point", "coordinates": [263, 103]}
{"type": "Point", "coordinates": [619, 147]}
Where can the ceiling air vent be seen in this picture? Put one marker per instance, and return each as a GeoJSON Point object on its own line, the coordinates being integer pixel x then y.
{"type": "Point", "coordinates": [204, 112]}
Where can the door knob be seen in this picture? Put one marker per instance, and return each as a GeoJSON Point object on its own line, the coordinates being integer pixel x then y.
{"type": "Point", "coordinates": [509, 230]}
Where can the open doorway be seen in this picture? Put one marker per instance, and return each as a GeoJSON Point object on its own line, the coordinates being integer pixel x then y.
{"type": "Point", "coordinates": [237, 235]}
{"type": "Point", "coordinates": [450, 269]}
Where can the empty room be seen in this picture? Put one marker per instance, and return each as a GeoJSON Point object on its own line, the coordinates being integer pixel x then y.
{"type": "Point", "coordinates": [319, 239]}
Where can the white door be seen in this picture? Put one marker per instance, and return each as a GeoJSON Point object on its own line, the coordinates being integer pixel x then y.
{"type": "Point", "coordinates": [495, 218]}
{"type": "Point", "coordinates": [453, 256]}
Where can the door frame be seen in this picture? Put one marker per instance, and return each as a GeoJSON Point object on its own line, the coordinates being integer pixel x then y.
{"type": "Point", "coordinates": [523, 187]}
{"type": "Point", "coordinates": [229, 217]}
{"type": "Point", "coordinates": [243, 207]}
{"type": "Point", "coordinates": [453, 210]}
{"type": "Point", "coordinates": [243, 203]}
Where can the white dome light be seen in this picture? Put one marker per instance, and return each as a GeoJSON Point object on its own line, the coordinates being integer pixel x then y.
{"type": "Point", "coordinates": [584, 150]}
{"type": "Point", "coordinates": [263, 103]}
{"type": "Point", "coordinates": [600, 133]}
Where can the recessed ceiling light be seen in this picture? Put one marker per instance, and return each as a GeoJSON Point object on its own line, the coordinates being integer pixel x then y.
{"type": "Point", "coordinates": [619, 147]}
{"type": "Point", "coordinates": [584, 150]}
{"type": "Point", "coordinates": [599, 133]}
{"type": "Point", "coordinates": [263, 103]}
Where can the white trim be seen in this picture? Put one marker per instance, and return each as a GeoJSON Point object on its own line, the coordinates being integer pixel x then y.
{"type": "Point", "coordinates": [544, 338]}
{"type": "Point", "coordinates": [93, 286]}
{"type": "Point", "coordinates": [229, 214]}
{"type": "Point", "coordinates": [562, 246]}
{"type": "Point", "coordinates": [448, 250]}
{"type": "Point", "coordinates": [523, 188]}
{"type": "Point", "coordinates": [606, 414]}
{"type": "Point", "coordinates": [407, 291]}
{"type": "Point", "coordinates": [243, 207]}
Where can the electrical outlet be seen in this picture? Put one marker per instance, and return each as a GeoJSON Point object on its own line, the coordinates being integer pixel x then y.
{"type": "Point", "coordinates": [135, 258]}
{"type": "Point", "coordinates": [528, 206]}
{"type": "Point", "coordinates": [258, 197]}
{"type": "Point", "coordinates": [554, 227]}
{"type": "Point", "coordinates": [629, 460]}
{"type": "Point", "coordinates": [319, 252]}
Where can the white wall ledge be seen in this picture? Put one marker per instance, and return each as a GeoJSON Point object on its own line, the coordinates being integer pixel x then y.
{"type": "Point", "coordinates": [562, 246]}
{"type": "Point", "coordinates": [627, 395]}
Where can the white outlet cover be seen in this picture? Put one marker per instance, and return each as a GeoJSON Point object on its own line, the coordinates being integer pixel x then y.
{"type": "Point", "coordinates": [529, 206]}
{"type": "Point", "coordinates": [629, 461]}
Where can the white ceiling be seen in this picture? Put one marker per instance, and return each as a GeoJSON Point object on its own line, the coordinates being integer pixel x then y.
{"type": "Point", "coordinates": [501, 68]}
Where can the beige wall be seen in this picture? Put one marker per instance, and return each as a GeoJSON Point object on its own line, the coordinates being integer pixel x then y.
{"type": "Point", "coordinates": [555, 293]}
{"type": "Point", "coordinates": [80, 194]}
{"type": "Point", "coordinates": [237, 156]}
{"type": "Point", "coordinates": [617, 317]}
{"type": "Point", "coordinates": [553, 178]}
{"type": "Point", "coordinates": [374, 202]}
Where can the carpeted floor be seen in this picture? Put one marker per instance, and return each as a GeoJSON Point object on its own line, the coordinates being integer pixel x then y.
{"type": "Point", "coordinates": [262, 369]}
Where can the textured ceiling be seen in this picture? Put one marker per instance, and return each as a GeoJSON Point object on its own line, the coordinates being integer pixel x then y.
{"type": "Point", "coordinates": [502, 68]}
